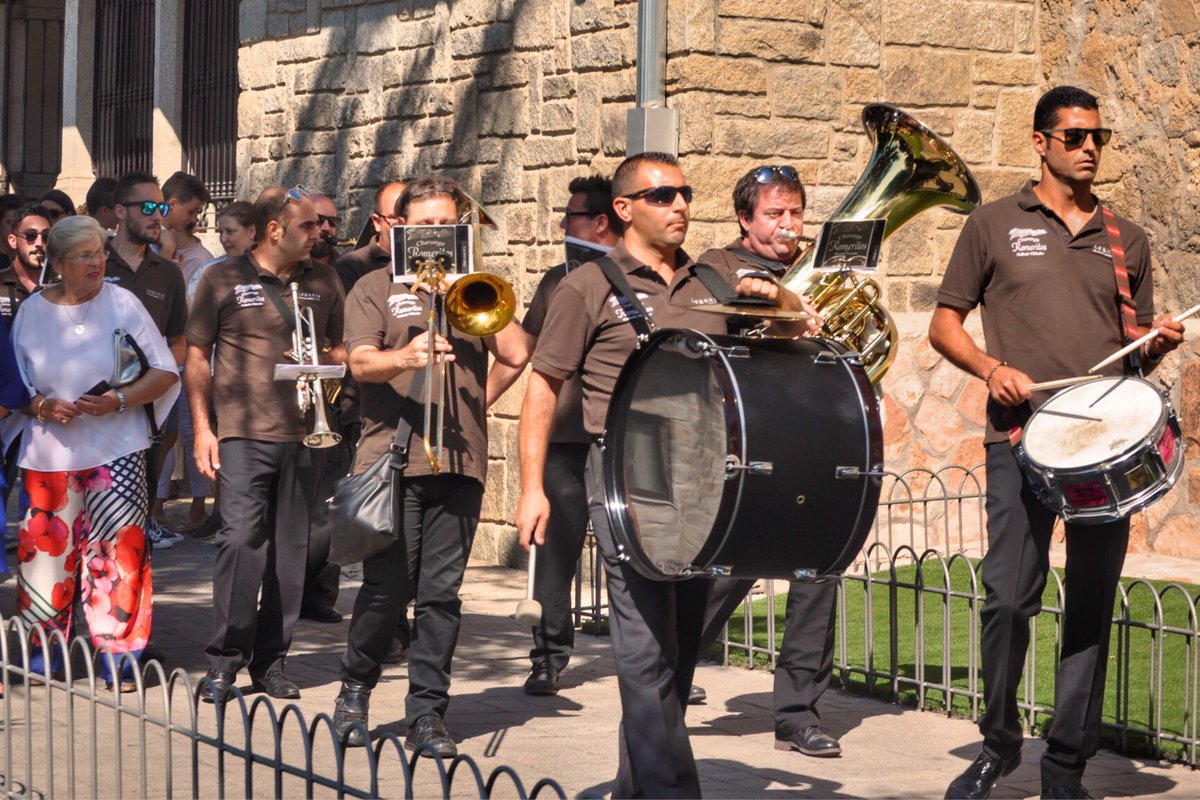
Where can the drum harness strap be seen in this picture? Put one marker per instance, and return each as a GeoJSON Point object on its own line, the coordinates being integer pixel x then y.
{"type": "Point", "coordinates": [635, 312]}
{"type": "Point", "coordinates": [1127, 313]}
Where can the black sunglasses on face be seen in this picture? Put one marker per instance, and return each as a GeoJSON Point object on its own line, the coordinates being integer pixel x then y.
{"type": "Point", "coordinates": [768, 173]}
{"type": "Point", "coordinates": [661, 195]}
{"type": "Point", "coordinates": [148, 207]}
{"type": "Point", "coordinates": [30, 236]}
{"type": "Point", "coordinates": [325, 219]}
{"type": "Point", "coordinates": [569, 213]}
{"type": "Point", "coordinates": [1074, 137]}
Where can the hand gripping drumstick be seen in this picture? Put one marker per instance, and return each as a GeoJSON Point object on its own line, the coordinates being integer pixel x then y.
{"type": "Point", "coordinates": [529, 611]}
{"type": "Point", "coordinates": [1134, 345]}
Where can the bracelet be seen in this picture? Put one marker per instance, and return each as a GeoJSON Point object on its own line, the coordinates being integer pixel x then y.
{"type": "Point", "coordinates": [37, 412]}
{"type": "Point", "coordinates": [987, 381]}
{"type": "Point", "coordinates": [120, 401]}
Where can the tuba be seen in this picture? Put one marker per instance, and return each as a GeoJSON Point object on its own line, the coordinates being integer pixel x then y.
{"type": "Point", "coordinates": [911, 170]}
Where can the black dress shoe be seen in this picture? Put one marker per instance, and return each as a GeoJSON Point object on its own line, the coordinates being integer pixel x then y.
{"type": "Point", "coordinates": [329, 615]}
{"type": "Point", "coordinates": [981, 776]}
{"type": "Point", "coordinates": [350, 709]}
{"type": "Point", "coordinates": [431, 732]}
{"type": "Point", "coordinates": [1067, 792]}
{"type": "Point", "coordinates": [811, 741]}
{"type": "Point", "coordinates": [696, 695]}
{"type": "Point", "coordinates": [217, 686]}
{"type": "Point", "coordinates": [396, 653]}
{"type": "Point", "coordinates": [542, 680]}
{"type": "Point", "coordinates": [276, 684]}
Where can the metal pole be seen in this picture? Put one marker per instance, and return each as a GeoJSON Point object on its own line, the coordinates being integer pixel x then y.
{"type": "Point", "coordinates": [651, 125]}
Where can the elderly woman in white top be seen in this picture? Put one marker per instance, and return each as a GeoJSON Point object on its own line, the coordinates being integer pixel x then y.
{"type": "Point", "coordinates": [83, 452]}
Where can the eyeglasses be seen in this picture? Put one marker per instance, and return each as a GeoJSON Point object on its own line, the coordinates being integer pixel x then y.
{"type": "Point", "coordinates": [94, 257]}
{"type": "Point", "coordinates": [767, 174]}
{"type": "Point", "coordinates": [298, 193]}
{"type": "Point", "coordinates": [30, 236]}
{"type": "Point", "coordinates": [569, 213]}
{"type": "Point", "coordinates": [661, 195]}
{"type": "Point", "coordinates": [325, 219]}
{"type": "Point", "coordinates": [148, 207]}
{"type": "Point", "coordinates": [1074, 137]}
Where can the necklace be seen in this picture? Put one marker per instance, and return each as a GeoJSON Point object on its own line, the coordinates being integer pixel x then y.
{"type": "Point", "coordinates": [79, 323]}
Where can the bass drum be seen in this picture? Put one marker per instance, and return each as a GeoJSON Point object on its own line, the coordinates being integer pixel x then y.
{"type": "Point", "coordinates": [752, 458]}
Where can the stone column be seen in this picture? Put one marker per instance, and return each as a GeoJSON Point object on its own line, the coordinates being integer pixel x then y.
{"type": "Point", "coordinates": [168, 89]}
{"type": "Point", "coordinates": [79, 58]}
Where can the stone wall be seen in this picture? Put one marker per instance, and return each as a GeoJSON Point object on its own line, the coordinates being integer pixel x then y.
{"type": "Point", "coordinates": [515, 98]}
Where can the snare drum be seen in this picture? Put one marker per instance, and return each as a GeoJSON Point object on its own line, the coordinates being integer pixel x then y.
{"type": "Point", "coordinates": [1100, 451]}
{"type": "Point", "coordinates": [755, 458]}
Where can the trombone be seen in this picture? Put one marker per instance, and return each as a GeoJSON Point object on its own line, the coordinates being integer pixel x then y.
{"type": "Point", "coordinates": [310, 389]}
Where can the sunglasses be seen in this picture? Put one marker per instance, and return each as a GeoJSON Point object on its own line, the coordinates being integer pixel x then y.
{"type": "Point", "coordinates": [768, 173]}
{"type": "Point", "coordinates": [325, 219]}
{"type": "Point", "coordinates": [661, 195]}
{"type": "Point", "coordinates": [1074, 137]}
{"type": "Point", "coordinates": [298, 193]}
{"type": "Point", "coordinates": [569, 213]}
{"type": "Point", "coordinates": [148, 207]}
{"type": "Point", "coordinates": [30, 236]}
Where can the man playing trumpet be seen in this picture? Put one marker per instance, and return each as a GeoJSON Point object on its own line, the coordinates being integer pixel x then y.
{"type": "Point", "coordinates": [389, 344]}
{"type": "Point", "coordinates": [267, 477]}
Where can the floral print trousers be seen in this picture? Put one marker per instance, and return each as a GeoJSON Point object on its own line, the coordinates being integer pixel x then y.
{"type": "Point", "coordinates": [86, 528]}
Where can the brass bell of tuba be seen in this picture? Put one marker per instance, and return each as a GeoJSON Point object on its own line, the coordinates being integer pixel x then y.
{"type": "Point", "coordinates": [911, 170]}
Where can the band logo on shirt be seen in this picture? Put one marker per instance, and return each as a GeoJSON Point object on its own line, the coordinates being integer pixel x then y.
{"type": "Point", "coordinates": [1027, 242]}
{"type": "Point", "coordinates": [7, 307]}
{"type": "Point", "coordinates": [157, 295]}
{"type": "Point", "coordinates": [309, 296]}
{"type": "Point", "coordinates": [405, 305]}
{"type": "Point", "coordinates": [248, 295]}
{"type": "Point", "coordinates": [1102, 250]}
{"type": "Point", "coordinates": [623, 309]}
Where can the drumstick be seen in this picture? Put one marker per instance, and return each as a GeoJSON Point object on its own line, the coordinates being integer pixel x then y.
{"type": "Point", "coordinates": [529, 611]}
{"type": "Point", "coordinates": [1037, 387]}
{"type": "Point", "coordinates": [1129, 348]}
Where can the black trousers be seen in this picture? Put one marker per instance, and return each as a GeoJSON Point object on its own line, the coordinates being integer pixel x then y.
{"type": "Point", "coordinates": [805, 664]}
{"type": "Point", "coordinates": [554, 638]}
{"type": "Point", "coordinates": [1014, 574]}
{"type": "Point", "coordinates": [655, 627]}
{"type": "Point", "coordinates": [321, 577]}
{"type": "Point", "coordinates": [439, 515]}
{"type": "Point", "coordinates": [266, 501]}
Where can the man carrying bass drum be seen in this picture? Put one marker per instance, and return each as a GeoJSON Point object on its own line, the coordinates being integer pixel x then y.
{"type": "Point", "coordinates": [1041, 262]}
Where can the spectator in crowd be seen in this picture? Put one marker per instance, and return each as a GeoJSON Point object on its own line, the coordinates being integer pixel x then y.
{"type": "Point", "coordinates": [100, 203]}
{"type": "Point", "coordinates": [84, 454]}
{"type": "Point", "coordinates": [58, 204]}
{"type": "Point", "coordinates": [9, 203]}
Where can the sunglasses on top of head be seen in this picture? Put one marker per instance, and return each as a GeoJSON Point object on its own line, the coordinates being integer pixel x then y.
{"type": "Point", "coordinates": [767, 174]}
{"type": "Point", "coordinates": [148, 207]}
{"type": "Point", "coordinates": [661, 195]}
{"type": "Point", "coordinates": [1075, 137]}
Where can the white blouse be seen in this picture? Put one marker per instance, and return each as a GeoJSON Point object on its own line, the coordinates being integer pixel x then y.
{"type": "Point", "coordinates": [56, 362]}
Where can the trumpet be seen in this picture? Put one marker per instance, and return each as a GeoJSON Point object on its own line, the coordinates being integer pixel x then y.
{"type": "Point", "coordinates": [477, 304]}
{"type": "Point", "coordinates": [310, 389]}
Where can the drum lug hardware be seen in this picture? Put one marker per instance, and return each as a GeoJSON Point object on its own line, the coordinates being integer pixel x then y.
{"type": "Point", "coordinates": [854, 473]}
{"type": "Point", "coordinates": [835, 358]}
{"type": "Point", "coordinates": [733, 465]}
{"type": "Point", "coordinates": [734, 351]}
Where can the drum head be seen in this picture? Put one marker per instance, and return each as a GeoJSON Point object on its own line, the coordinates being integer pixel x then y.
{"type": "Point", "coordinates": [1092, 423]}
{"type": "Point", "coordinates": [666, 446]}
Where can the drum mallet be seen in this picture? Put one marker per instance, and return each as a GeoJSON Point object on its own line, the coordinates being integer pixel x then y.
{"type": "Point", "coordinates": [529, 611]}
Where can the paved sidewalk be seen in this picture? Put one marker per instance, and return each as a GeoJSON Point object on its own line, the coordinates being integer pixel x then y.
{"type": "Point", "coordinates": [889, 751]}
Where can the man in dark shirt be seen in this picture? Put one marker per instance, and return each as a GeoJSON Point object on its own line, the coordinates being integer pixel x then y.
{"type": "Point", "coordinates": [325, 250]}
{"type": "Point", "coordinates": [588, 332]}
{"type": "Point", "coordinates": [30, 226]}
{"type": "Point", "coordinates": [1041, 264]}
{"type": "Point", "coordinates": [243, 308]}
{"type": "Point", "coordinates": [378, 252]}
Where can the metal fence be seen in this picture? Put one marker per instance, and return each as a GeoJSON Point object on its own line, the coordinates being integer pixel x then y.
{"type": "Point", "coordinates": [65, 735]}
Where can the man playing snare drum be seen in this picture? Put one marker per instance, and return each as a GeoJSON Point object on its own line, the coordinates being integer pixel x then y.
{"type": "Point", "coordinates": [1041, 263]}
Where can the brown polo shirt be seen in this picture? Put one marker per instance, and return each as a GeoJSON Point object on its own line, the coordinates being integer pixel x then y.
{"type": "Point", "coordinates": [587, 332]}
{"type": "Point", "coordinates": [234, 314]}
{"type": "Point", "coordinates": [360, 262]}
{"type": "Point", "coordinates": [568, 415]}
{"type": "Point", "coordinates": [1049, 299]}
{"type": "Point", "coordinates": [388, 315]}
{"type": "Point", "coordinates": [158, 283]}
{"type": "Point", "coordinates": [12, 294]}
{"type": "Point", "coordinates": [736, 259]}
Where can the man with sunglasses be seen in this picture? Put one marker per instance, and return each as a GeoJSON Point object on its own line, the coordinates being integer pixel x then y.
{"type": "Point", "coordinates": [769, 203]}
{"type": "Point", "coordinates": [267, 478]}
{"type": "Point", "coordinates": [1049, 272]}
{"type": "Point", "coordinates": [158, 283]}
{"type": "Point", "coordinates": [591, 329]}
{"type": "Point", "coordinates": [325, 250]}
{"type": "Point", "coordinates": [27, 239]}
{"type": "Point", "coordinates": [377, 252]}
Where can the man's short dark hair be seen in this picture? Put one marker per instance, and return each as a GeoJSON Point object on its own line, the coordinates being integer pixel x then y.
{"type": "Point", "coordinates": [626, 174]}
{"type": "Point", "coordinates": [428, 187]}
{"type": "Point", "coordinates": [272, 205]}
{"type": "Point", "coordinates": [597, 199]}
{"type": "Point", "coordinates": [31, 210]}
{"type": "Point", "coordinates": [10, 201]}
{"type": "Point", "coordinates": [748, 188]}
{"type": "Point", "coordinates": [1045, 115]}
{"type": "Point", "coordinates": [379, 196]}
{"type": "Point", "coordinates": [123, 191]}
{"type": "Point", "coordinates": [185, 188]}
{"type": "Point", "coordinates": [100, 194]}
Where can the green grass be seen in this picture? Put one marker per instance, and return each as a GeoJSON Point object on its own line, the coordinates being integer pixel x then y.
{"type": "Point", "coordinates": [1134, 654]}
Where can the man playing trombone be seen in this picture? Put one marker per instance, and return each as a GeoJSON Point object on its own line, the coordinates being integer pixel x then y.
{"type": "Point", "coordinates": [399, 370]}
{"type": "Point", "coordinates": [243, 311]}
